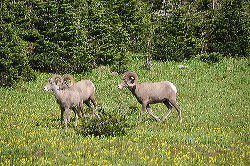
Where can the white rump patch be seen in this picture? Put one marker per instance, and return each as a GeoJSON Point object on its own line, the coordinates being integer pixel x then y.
{"type": "Point", "coordinates": [92, 85]}
{"type": "Point", "coordinates": [173, 87]}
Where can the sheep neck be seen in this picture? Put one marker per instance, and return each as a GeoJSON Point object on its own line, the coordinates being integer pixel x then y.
{"type": "Point", "coordinates": [58, 92]}
{"type": "Point", "coordinates": [132, 89]}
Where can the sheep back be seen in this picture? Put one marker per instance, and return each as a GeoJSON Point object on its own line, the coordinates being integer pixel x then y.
{"type": "Point", "coordinates": [155, 92]}
{"type": "Point", "coordinates": [87, 88]}
{"type": "Point", "coordinates": [69, 97]}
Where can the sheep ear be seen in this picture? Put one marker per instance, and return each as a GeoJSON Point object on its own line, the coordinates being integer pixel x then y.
{"type": "Point", "coordinates": [132, 80]}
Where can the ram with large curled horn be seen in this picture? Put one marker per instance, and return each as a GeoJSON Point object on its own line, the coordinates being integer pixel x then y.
{"type": "Point", "coordinates": [150, 93]}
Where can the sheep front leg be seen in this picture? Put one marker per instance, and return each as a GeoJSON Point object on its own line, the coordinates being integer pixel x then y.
{"type": "Point", "coordinates": [80, 112]}
{"type": "Point", "coordinates": [62, 115]}
{"type": "Point", "coordinates": [66, 117]}
{"type": "Point", "coordinates": [77, 115]}
{"type": "Point", "coordinates": [142, 112]}
{"type": "Point", "coordinates": [150, 113]}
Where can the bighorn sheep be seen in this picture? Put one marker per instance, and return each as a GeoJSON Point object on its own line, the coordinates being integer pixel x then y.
{"type": "Point", "coordinates": [72, 95]}
{"type": "Point", "coordinates": [67, 97]}
{"type": "Point", "coordinates": [88, 90]}
{"type": "Point", "coordinates": [150, 93]}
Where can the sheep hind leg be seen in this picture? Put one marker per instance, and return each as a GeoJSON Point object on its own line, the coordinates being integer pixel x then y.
{"type": "Point", "coordinates": [92, 98]}
{"type": "Point", "coordinates": [150, 113]}
{"type": "Point", "coordinates": [173, 102]}
{"type": "Point", "coordinates": [94, 108]}
{"type": "Point", "coordinates": [169, 110]}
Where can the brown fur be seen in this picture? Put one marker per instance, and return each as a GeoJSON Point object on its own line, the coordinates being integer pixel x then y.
{"type": "Point", "coordinates": [150, 93]}
{"type": "Point", "coordinates": [67, 97]}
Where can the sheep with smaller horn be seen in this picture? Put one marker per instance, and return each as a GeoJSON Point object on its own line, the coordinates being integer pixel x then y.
{"type": "Point", "coordinates": [72, 95]}
{"type": "Point", "coordinates": [150, 93]}
{"type": "Point", "coordinates": [67, 97]}
{"type": "Point", "coordinates": [88, 91]}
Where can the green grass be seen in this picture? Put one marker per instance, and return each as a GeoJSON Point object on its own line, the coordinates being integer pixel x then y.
{"type": "Point", "coordinates": [215, 131]}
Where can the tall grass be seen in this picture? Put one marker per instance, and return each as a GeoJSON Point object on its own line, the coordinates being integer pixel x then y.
{"type": "Point", "coordinates": [215, 131]}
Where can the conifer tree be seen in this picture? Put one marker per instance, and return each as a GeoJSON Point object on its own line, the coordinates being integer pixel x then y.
{"type": "Point", "coordinates": [14, 61]}
{"type": "Point", "coordinates": [228, 29]}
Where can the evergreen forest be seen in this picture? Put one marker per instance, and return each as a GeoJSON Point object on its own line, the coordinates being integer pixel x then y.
{"type": "Point", "coordinates": [72, 36]}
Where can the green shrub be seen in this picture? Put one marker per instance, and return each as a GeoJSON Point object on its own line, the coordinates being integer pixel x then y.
{"type": "Point", "coordinates": [211, 58]}
{"type": "Point", "coordinates": [14, 63]}
{"type": "Point", "coordinates": [107, 125]}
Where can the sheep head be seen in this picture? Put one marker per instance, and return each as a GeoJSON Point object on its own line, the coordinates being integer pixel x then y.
{"type": "Point", "coordinates": [67, 76]}
{"type": "Point", "coordinates": [54, 80]}
{"type": "Point", "coordinates": [129, 79]}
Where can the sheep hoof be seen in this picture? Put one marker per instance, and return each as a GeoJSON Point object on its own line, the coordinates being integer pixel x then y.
{"type": "Point", "coordinates": [95, 114]}
{"type": "Point", "coordinates": [157, 119]}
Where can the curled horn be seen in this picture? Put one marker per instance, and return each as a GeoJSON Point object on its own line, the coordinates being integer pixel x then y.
{"type": "Point", "coordinates": [67, 76]}
{"type": "Point", "coordinates": [132, 78]}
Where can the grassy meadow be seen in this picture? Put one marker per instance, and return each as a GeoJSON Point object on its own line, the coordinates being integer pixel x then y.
{"type": "Point", "coordinates": [215, 103]}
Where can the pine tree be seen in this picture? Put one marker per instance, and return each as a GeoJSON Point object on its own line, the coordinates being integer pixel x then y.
{"type": "Point", "coordinates": [14, 62]}
{"type": "Point", "coordinates": [228, 29]}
